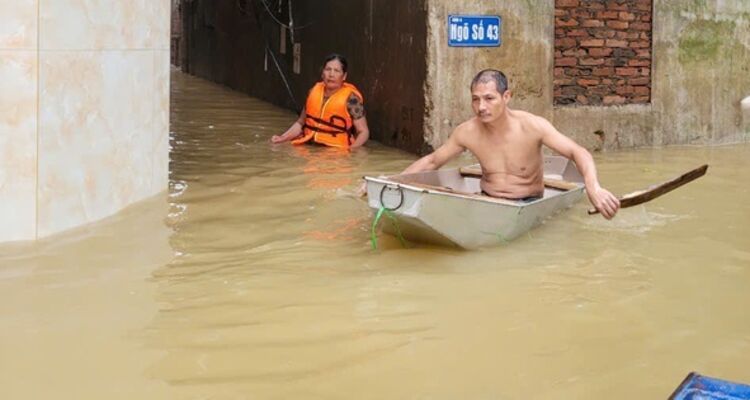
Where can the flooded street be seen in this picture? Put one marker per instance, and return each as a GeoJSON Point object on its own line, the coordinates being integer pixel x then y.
{"type": "Point", "coordinates": [253, 278]}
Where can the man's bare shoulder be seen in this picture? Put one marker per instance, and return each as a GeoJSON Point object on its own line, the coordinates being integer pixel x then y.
{"type": "Point", "coordinates": [532, 121]}
{"type": "Point", "coordinates": [469, 127]}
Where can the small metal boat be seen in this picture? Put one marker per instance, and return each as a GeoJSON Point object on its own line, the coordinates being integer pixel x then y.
{"type": "Point", "coordinates": [446, 207]}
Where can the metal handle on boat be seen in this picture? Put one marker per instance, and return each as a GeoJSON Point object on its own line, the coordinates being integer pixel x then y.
{"type": "Point", "coordinates": [400, 198]}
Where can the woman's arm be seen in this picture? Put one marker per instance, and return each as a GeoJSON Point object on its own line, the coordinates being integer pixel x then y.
{"type": "Point", "coordinates": [363, 132]}
{"type": "Point", "coordinates": [293, 131]}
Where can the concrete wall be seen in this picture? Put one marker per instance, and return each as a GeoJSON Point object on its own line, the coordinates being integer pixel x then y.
{"type": "Point", "coordinates": [700, 73]}
{"type": "Point", "coordinates": [84, 105]}
{"type": "Point", "coordinates": [384, 41]}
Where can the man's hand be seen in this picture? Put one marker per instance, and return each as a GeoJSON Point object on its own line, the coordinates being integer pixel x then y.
{"type": "Point", "coordinates": [362, 190]}
{"type": "Point", "coordinates": [277, 139]}
{"type": "Point", "coordinates": [604, 201]}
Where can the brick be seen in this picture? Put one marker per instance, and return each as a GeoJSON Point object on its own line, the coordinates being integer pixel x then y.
{"type": "Point", "coordinates": [565, 43]}
{"type": "Point", "coordinates": [603, 71]}
{"type": "Point", "coordinates": [632, 35]}
{"type": "Point", "coordinates": [592, 43]}
{"type": "Point", "coordinates": [641, 99]}
{"type": "Point", "coordinates": [614, 24]}
{"type": "Point", "coordinates": [574, 53]}
{"type": "Point", "coordinates": [619, 61]}
{"type": "Point", "coordinates": [626, 16]}
{"type": "Point", "coordinates": [624, 90]}
{"type": "Point", "coordinates": [580, 13]}
{"type": "Point", "coordinates": [607, 81]}
{"type": "Point", "coordinates": [639, 44]}
{"type": "Point", "coordinates": [600, 90]}
{"type": "Point", "coordinates": [646, 18]}
{"type": "Point", "coordinates": [642, 90]}
{"type": "Point", "coordinates": [624, 53]}
{"type": "Point", "coordinates": [616, 43]}
{"type": "Point", "coordinates": [563, 81]}
{"type": "Point", "coordinates": [592, 23]}
{"type": "Point", "coordinates": [626, 71]}
{"type": "Point", "coordinates": [613, 100]}
{"type": "Point", "coordinates": [643, 53]}
{"type": "Point", "coordinates": [561, 13]}
{"type": "Point", "coordinates": [645, 71]}
{"type": "Point", "coordinates": [607, 15]}
{"type": "Point", "coordinates": [579, 33]}
{"type": "Point", "coordinates": [572, 90]}
{"type": "Point", "coordinates": [588, 82]}
{"type": "Point", "coordinates": [566, 62]}
{"type": "Point", "coordinates": [558, 54]}
{"type": "Point", "coordinates": [595, 5]}
{"type": "Point", "coordinates": [566, 22]}
{"type": "Point", "coordinates": [643, 7]}
{"type": "Point", "coordinates": [566, 3]}
{"type": "Point", "coordinates": [600, 52]}
{"type": "Point", "coordinates": [641, 26]}
{"type": "Point", "coordinates": [615, 5]}
{"type": "Point", "coordinates": [639, 81]}
{"type": "Point", "coordinates": [604, 33]}
{"type": "Point", "coordinates": [592, 61]}
{"type": "Point", "coordinates": [639, 63]}
{"type": "Point", "coordinates": [581, 99]}
{"type": "Point", "coordinates": [559, 72]}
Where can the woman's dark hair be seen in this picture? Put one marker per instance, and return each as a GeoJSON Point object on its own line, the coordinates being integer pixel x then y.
{"type": "Point", "coordinates": [335, 56]}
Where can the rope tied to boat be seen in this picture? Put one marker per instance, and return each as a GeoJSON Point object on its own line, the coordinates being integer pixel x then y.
{"type": "Point", "coordinates": [387, 211]}
{"type": "Point", "coordinates": [378, 216]}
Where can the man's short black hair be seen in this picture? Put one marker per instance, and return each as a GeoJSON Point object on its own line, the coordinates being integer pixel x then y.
{"type": "Point", "coordinates": [487, 75]}
{"type": "Point", "coordinates": [336, 56]}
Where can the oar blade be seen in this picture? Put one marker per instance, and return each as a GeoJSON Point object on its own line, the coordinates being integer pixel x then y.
{"type": "Point", "coordinates": [642, 196]}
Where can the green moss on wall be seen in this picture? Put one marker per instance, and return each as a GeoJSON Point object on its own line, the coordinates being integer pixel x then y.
{"type": "Point", "coordinates": [703, 40]}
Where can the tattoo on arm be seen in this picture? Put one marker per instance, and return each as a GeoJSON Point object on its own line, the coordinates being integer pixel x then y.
{"type": "Point", "coordinates": [355, 107]}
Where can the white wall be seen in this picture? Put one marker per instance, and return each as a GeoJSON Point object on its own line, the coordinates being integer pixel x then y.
{"type": "Point", "coordinates": [84, 110]}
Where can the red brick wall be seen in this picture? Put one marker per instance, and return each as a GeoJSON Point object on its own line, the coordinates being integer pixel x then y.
{"type": "Point", "coordinates": [602, 52]}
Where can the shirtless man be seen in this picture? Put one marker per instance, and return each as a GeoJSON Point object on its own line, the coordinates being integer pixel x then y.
{"type": "Point", "coordinates": [508, 144]}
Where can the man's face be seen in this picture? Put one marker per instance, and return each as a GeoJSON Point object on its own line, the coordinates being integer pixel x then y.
{"type": "Point", "coordinates": [333, 75]}
{"type": "Point", "coordinates": [487, 102]}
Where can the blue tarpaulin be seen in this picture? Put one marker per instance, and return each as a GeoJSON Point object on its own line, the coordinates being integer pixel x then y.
{"type": "Point", "coordinates": [699, 387]}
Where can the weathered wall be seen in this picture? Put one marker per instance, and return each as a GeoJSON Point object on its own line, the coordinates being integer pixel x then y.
{"type": "Point", "coordinates": [525, 56]}
{"type": "Point", "coordinates": [702, 70]}
{"type": "Point", "coordinates": [384, 41]}
{"type": "Point", "coordinates": [701, 57]}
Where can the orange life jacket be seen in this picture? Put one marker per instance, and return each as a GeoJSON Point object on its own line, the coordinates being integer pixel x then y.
{"type": "Point", "coordinates": [328, 122]}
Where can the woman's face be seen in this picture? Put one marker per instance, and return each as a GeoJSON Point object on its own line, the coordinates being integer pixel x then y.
{"type": "Point", "coordinates": [333, 75]}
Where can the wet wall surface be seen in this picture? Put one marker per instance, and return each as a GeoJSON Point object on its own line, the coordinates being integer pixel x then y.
{"type": "Point", "coordinates": [384, 42]}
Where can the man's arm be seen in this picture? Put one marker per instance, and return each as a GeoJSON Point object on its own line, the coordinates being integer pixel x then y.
{"type": "Point", "coordinates": [439, 157]}
{"type": "Point", "coordinates": [600, 198]}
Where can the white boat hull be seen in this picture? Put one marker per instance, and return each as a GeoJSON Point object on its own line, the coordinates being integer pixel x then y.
{"type": "Point", "coordinates": [460, 216]}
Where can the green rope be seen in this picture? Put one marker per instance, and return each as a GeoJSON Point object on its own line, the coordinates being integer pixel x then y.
{"type": "Point", "coordinates": [373, 235]}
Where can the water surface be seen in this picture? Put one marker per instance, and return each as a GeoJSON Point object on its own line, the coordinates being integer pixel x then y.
{"type": "Point", "coordinates": [253, 277]}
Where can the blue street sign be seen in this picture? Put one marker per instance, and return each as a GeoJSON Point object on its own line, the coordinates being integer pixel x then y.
{"type": "Point", "coordinates": [474, 30]}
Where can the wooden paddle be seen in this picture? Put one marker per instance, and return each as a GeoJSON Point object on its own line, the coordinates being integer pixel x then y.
{"type": "Point", "coordinates": [550, 183]}
{"type": "Point", "coordinates": [642, 196]}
